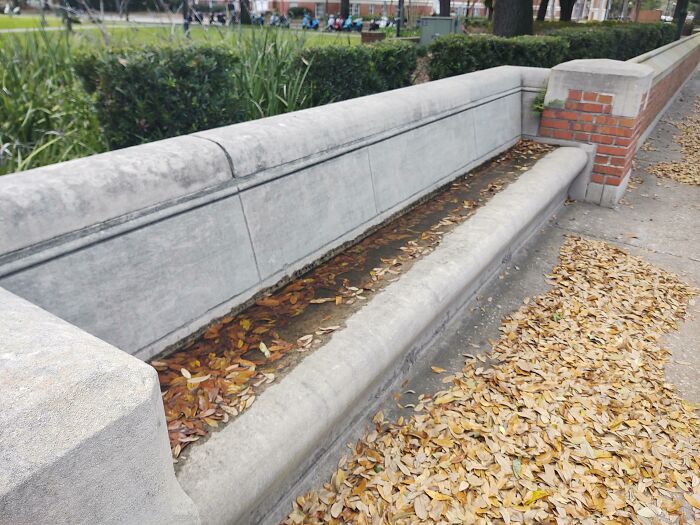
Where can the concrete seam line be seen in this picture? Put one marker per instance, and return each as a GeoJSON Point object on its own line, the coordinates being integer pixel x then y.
{"type": "Point", "coordinates": [250, 237]}
{"type": "Point", "coordinates": [65, 244]}
{"type": "Point", "coordinates": [293, 166]}
{"type": "Point", "coordinates": [232, 472]}
{"type": "Point", "coordinates": [226, 153]}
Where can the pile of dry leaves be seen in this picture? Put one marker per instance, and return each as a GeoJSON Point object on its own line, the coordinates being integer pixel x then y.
{"type": "Point", "coordinates": [218, 375]}
{"type": "Point", "coordinates": [572, 422]}
{"type": "Point", "coordinates": [687, 170]}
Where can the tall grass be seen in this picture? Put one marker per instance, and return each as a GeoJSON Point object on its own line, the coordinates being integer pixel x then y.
{"type": "Point", "coordinates": [45, 115]}
{"type": "Point", "coordinates": [270, 77]}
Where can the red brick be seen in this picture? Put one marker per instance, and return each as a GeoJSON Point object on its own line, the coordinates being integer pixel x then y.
{"type": "Point", "coordinates": [584, 117]}
{"type": "Point", "coordinates": [590, 96]}
{"type": "Point", "coordinates": [546, 132]}
{"type": "Point", "coordinates": [612, 150]}
{"type": "Point", "coordinates": [600, 179]}
{"type": "Point", "coordinates": [613, 181]}
{"type": "Point", "coordinates": [574, 94]}
{"type": "Point", "coordinates": [605, 120]}
{"type": "Point", "coordinates": [549, 113]}
{"type": "Point", "coordinates": [554, 123]}
{"type": "Point", "coordinates": [618, 161]}
{"type": "Point", "coordinates": [576, 106]}
{"type": "Point", "coordinates": [564, 135]}
{"type": "Point", "coordinates": [577, 126]}
{"type": "Point", "coordinates": [627, 122]}
{"type": "Point", "coordinates": [607, 108]}
{"type": "Point", "coordinates": [566, 115]}
{"type": "Point", "coordinates": [622, 141]}
{"type": "Point", "coordinates": [583, 137]}
{"type": "Point", "coordinates": [602, 139]}
{"type": "Point", "coordinates": [622, 132]}
{"type": "Point", "coordinates": [605, 99]}
{"type": "Point", "coordinates": [609, 170]}
{"type": "Point", "coordinates": [602, 159]}
{"type": "Point", "coordinates": [592, 108]}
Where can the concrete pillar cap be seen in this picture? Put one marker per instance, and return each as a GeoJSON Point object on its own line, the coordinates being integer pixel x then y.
{"type": "Point", "coordinates": [627, 82]}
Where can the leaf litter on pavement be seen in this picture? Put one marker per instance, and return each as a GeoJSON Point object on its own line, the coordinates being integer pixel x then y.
{"type": "Point", "coordinates": [572, 422]}
{"type": "Point", "coordinates": [687, 170]}
{"type": "Point", "coordinates": [218, 375]}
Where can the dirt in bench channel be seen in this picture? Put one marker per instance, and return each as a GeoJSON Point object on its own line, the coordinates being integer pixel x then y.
{"type": "Point", "coordinates": [216, 376]}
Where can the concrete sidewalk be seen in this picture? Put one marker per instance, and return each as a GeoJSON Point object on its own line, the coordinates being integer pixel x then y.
{"type": "Point", "coordinates": [657, 220]}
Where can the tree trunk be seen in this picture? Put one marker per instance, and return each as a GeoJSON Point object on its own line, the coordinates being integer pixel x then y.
{"type": "Point", "coordinates": [444, 7]}
{"type": "Point", "coordinates": [696, 20]}
{"type": "Point", "coordinates": [512, 17]}
{"type": "Point", "coordinates": [245, 12]}
{"type": "Point", "coordinates": [344, 8]}
{"type": "Point", "coordinates": [625, 9]}
{"type": "Point", "coordinates": [679, 17]}
{"type": "Point", "coordinates": [566, 8]}
{"type": "Point", "coordinates": [542, 10]}
{"type": "Point", "coordinates": [637, 9]}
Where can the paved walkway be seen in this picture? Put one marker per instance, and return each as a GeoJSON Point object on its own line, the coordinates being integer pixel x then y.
{"type": "Point", "coordinates": [657, 221]}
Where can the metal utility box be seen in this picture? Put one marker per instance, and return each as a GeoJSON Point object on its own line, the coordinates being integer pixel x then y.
{"type": "Point", "coordinates": [432, 27]}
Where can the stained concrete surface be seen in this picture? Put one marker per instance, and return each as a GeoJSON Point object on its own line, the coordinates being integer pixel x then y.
{"type": "Point", "coordinates": [657, 220]}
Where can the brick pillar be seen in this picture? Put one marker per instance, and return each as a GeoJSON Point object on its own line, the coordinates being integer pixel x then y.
{"type": "Point", "coordinates": [599, 102]}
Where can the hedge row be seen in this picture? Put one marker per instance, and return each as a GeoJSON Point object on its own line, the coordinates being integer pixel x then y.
{"type": "Point", "coordinates": [615, 41]}
{"type": "Point", "coordinates": [457, 54]}
{"type": "Point", "coordinates": [154, 92]}
{"type": "Point", "coordinates": [343, 72]}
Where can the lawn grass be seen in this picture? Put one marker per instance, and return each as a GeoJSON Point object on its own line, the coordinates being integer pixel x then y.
{"type": "Point", "coordinates": [135, 34]}
{"type": "Point", "coordinates": [27, 21]}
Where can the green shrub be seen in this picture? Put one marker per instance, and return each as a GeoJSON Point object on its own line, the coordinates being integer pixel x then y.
{"type": "Point", "coordinates": [336, 73]}
{"type": "Point", "coordinates": [154, 92]}
{"type": "Point", "coordinates": [620, 41]}
{"type": "Point", "coordinates": [342, 72]}
{"type": "Point", "coordinates": [45, 115]}
{"type": "Point", "coordinates": [457, 54]}
{"type": "Point", "coordinates": [393, 64]}
{"type": "Point", "coordinates": [298, 12]}
{"type": "Point", "coordinates": [477, 21]}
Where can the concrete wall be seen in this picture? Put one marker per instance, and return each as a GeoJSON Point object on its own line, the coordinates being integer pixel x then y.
{"type": "Point", "coordinates": [672, 65]}
{"type": "Point", "coordinates": [142, 246]}
{"type": "Point", "coordinates": [614, 105]}
{"type": "Point", "coordinates": [82, 429]}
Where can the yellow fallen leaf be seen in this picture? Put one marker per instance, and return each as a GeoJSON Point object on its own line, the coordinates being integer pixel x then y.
{"type": "Point", "coordinates": [437, 495]}
{"type": "Point", "coordinates": [437, 369]}
{"type": "Point", "coordinates": [199, 379]}
{"type": "Point", "coordinates": [536, 495]}
{"type": "Point", "coordinates": [693, 499]}
{"type": "Point", "coordinates": [441, 400]}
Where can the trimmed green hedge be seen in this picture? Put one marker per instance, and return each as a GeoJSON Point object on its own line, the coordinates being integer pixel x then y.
{"type": "Point", "coordinates": [154, 92]}
{"type": "Point", "coordinates": [342, 72]}
{"type": "Point", "coordinates": [457, 54]}
{"type": "Point", "coordinates": [619, 41]}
